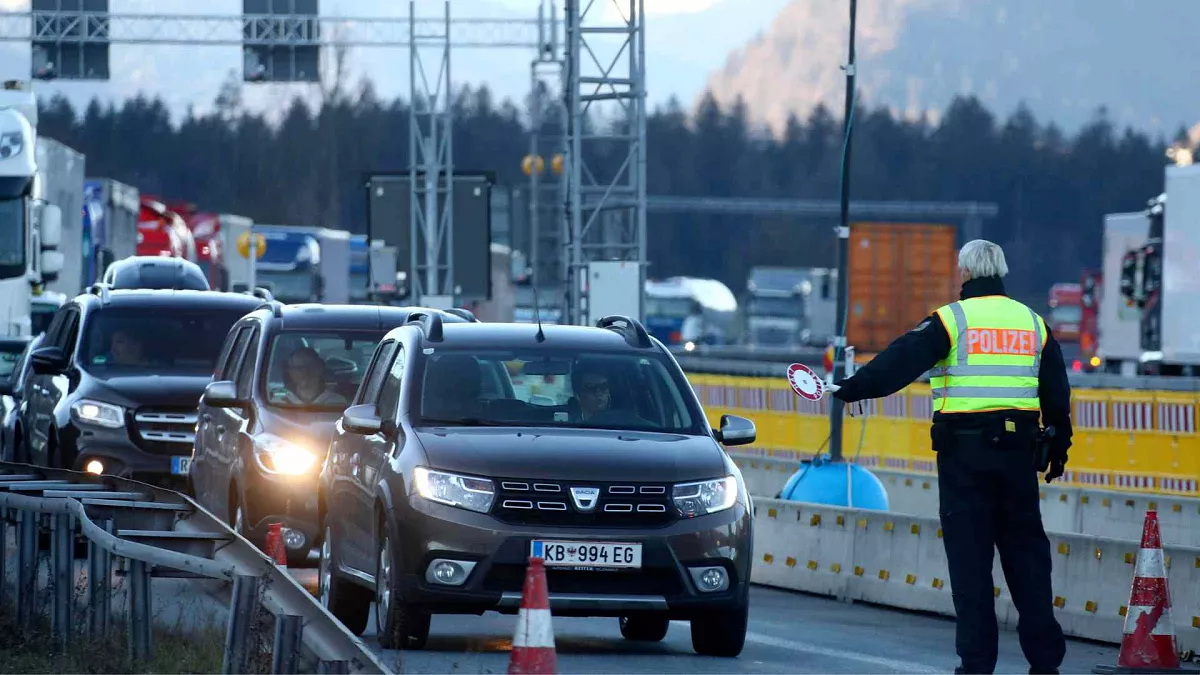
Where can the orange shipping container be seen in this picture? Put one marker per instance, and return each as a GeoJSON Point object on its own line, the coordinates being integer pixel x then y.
{"type": "Point", "coordinates": [899, 274]}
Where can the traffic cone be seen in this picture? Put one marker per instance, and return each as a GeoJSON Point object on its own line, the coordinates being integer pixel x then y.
{"type": "Point", "coordinates": [533, 642]}
{"type": "Point", "coordinates": [1149, 644]}
{"type": "Point", "coordinates": [275, 548]}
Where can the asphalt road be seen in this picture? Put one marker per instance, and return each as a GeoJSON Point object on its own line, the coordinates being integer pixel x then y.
{"type": "Point", "coordinates": [789, 633]}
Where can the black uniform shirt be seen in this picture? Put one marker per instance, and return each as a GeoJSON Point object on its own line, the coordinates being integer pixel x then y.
{"type": "Point", "coordinates": [915, 352]}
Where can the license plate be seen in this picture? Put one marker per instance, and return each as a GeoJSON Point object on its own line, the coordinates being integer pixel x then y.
{"type": "Point", "coordinates": [180, 466]}
{"type": "Point", "coordinates": [588, 554]}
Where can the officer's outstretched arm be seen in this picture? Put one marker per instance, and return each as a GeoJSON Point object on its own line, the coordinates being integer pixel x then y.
{"type": "Point", "coordinates": [904, 360]}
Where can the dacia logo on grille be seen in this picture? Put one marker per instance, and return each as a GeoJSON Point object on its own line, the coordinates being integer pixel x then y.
{"type": "Point", "coordinates": [585, 498]}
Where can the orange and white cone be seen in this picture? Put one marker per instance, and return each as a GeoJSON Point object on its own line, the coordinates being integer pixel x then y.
{"type": "Point", "coordinates": [275, 548]}
{"type": "Point", "coordinates": [533, 641]}
{"type": "Point", "coordinates": [1149, 644]}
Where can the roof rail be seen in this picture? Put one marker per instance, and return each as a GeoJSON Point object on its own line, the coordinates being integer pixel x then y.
{"type": "Point", "coordinates": [275, 306]}
{"type": "Point", "coordinates": [463, 314]}
{"type": "Point", "coordinates": [264, 293]}
{"type": "Point", "coordinates": [100, 289]}
{"type": "Point", "coordinates": [430, 323]}
{"type": "Point", "coordinates": [633, 331]}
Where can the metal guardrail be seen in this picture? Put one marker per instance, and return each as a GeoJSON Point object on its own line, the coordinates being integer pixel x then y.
{"type": "Point", "coordinates": [159, 533]}
{"type": "Point", "coordinates": [771, 362]}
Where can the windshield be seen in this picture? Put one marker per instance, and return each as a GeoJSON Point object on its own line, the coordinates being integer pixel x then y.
{"type": "Point", "coordinates": [358, 286]}
{"type": "Point", "coordinates": [317, 370]}
{"type": "Point", "coordinates": [790, 307]}
{"type": "Point", "coordinates": [164, 340]}
{"type": "Point", "coordinates": [12, 238]}
{"type": "Point", "coordinates": [675, 308]}
{"type": "Point", "coordinates": [1066, 314]}
{"type": "Point", "coordinates": [287, 286]}
{"type": "Point", "coordinates": [558, 389]}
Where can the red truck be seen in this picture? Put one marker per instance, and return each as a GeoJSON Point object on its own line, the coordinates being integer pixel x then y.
{"type": "Point", "coordinates": [1089, 323]}
{"type": "Point", "coordinates": [162, 232]}
{"type": "Point", "coordinates": [205, 228]}
{"type": "Point", "coordinates": [1065, 319]}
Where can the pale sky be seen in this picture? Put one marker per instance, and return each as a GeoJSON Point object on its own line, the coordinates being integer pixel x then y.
{"type": "Point", "coordinates": [186, 76]}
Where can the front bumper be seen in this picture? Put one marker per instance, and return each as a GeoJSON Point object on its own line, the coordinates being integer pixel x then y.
{"type": "Point", "coordinates": [501, 552]}
{"type": "Point", "coordinates": [122, 457]}
{"type": "Point", "coordinates": [289, 500]}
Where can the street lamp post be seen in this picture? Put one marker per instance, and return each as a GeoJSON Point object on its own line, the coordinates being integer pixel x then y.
{"type": "Point", "coordinates": [843, 232]}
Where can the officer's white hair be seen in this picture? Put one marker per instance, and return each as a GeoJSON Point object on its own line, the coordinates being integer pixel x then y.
{"type": "Point", "coordinates": [981, 258]}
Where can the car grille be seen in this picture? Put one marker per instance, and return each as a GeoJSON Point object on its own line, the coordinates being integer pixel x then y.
{"type": "Point", "coordinates": [773, 336]}
{"type": "Point", "coordinates": [164, 431]}
{"type": "Point", "coordinates": [648, 581]}
{"type": "Point", "coordinates": [542, 502]}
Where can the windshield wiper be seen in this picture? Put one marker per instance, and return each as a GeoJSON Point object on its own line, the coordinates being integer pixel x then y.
{"type": "Point", "coordinates": [462, 422]}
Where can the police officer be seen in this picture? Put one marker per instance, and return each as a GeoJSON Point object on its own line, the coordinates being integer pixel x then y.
{"type": "Point", "coordinates": [993, 366]}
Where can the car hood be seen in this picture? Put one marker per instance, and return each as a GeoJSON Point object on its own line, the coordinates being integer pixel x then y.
{"type": "Point", "coordinates": [572, 454]}
{"type": "Point", "coordinates": [154, 390]}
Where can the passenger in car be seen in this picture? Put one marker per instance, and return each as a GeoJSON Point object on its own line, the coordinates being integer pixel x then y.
{"type": "Point", "coordinates": [126, 348]}
{"type": "Point", "coordinates": [304, 376]}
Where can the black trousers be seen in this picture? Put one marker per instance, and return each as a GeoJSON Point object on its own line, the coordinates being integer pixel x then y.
{"type": "Point", "coordinates": [988, 493]}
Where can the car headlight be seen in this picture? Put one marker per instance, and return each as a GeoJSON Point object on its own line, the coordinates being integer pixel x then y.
{"type": "Point", "coordinates": [278, 455]}
{"type": "Point", "coordinates": [475, 494]}
{"type": "Point", "coordinates": [706, 496]}
{"type": "Point", "coordinates": [98, 413]}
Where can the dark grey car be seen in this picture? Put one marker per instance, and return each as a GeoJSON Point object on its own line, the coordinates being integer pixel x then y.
{"type": "Point", "coordinates": [472, 447]}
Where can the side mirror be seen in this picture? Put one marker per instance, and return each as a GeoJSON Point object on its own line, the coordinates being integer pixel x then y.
{"type": "Point", "coordinates": [52, 264]}
{"type": "Point", "coordinates": [736, 430]}
{"type": "Point", "coordinates": [51, 226]}
{"type": "Point", "coordinates": [222, 394]}
{"type": "Point", "coordinates": [48, 361]}
{"type": "Point", "coordinates": [6, 386]}
{"type": "Point", "coordinates": [362, 419]}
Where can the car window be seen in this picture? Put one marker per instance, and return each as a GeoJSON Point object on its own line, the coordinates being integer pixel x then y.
{"type": "Point", "coordinates": [11, 355]}
{"type": "Point", "coordinates": [389, 393]}
{"type": "Point", "coordinates": [67, 338]}
{"type": "Point", "coordinates": [230, 352]}
{"type": "Point", "coordinates": [603, 390]}
{"type": "Point", "coordinates": [317, 370]}
{"type": "Point", "coordinates": [56, 324]}
{"type": "Point", "coordinates": [369, 390]}
{"type": "Point", "coordinates": [18, 369]}
{"type": "Point", "coordinates": [246, 370]}
{"type": "Point", "coordinates": [182, 340]}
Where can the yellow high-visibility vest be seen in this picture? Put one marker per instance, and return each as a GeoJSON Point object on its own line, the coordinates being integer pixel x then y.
{"type": "Point", "coordinates": [995, 353]}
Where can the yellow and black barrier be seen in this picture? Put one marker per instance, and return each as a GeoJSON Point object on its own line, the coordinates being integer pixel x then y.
{"type": "Point", "coordinates": [1140, 441]}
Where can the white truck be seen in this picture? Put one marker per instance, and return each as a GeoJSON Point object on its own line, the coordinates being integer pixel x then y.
{"type": "Point", "coordinates": [30, 226]}
{"type": "Point", "coordinates": [61, 170]}
{"type": "Point", "coordinates": [1118, 330]}
{"type": "Point", "coordinates": [1159, 278]}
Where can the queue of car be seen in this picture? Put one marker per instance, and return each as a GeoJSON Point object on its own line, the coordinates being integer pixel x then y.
{"type": "Point", "coordinates": [417, 457]}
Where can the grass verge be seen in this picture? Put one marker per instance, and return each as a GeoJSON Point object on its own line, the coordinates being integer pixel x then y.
{"type": "Point", "coordinates": [31, 650]}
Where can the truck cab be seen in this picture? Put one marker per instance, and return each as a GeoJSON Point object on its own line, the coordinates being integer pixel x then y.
{"type": "Point", "coordinates": [290, 266]}
{"type": "Point", "coordinates": [668, 304]}
{"type": "Point", "coordinates": [30, 227]}
{"type": "Point", "coordinates": [776, 307]}
{"type": "Point", "coordinates": [162, 232]}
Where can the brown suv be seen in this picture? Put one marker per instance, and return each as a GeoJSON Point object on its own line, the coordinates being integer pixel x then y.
{"type": "Point", "coordinates": [469, 448]}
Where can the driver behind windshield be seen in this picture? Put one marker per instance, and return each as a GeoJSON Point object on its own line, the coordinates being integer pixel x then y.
{"type": "Point", "coordinates": [593, 385]}
{"type": "Point", "coordinates": [126, 348]}
{"type": "Point", "coordinates": [304, 377]}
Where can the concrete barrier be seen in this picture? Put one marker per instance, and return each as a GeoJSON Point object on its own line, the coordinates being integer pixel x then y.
{"type": "Point", "coordinates": [1106, 513]}
{"type": "Point", "coordinates": [898, 560]}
